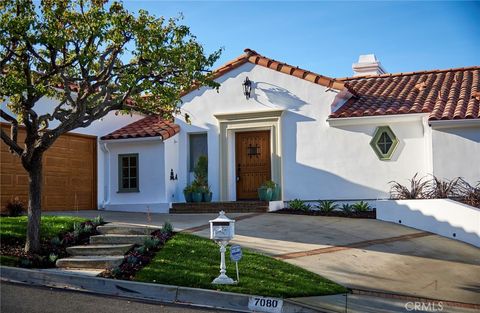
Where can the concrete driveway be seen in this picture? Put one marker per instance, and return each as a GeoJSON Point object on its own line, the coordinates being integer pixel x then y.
{"type": "Point", "coordinates": [357, 253]}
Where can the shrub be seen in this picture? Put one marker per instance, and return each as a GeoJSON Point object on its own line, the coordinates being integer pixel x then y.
{"type": "Point", "coordinates": [140, 249]}
{"type": "Point", "coordinates": [55, 241]}
{"type": "Point", "coordinates": [468, 194]}
{"type": "Point", "coordinates": [361, 207]}
{"type": "Point", "coordinates": [327, 206]}
{"type": "Point", "coordinates": [347, 208]}
{"type": "Point", "coordinates": [88, 228]}
{"type": "Point", "coordinates": [131, 259]}
{"type": "Point", "coordinates": [201, 170]}
{"type": "Point", "coordinates": [98, 220]}
{"type": "Point", "coordinates": [150, 243]}
{"type": "Point", "coordinates": [441, 189]}
{"type": "Point", "coordinates": [418, 189]}
{"type": "Point", "coordinates": [52, 257]}
{"type": "Point", "coordinates": [297, 204]}
{"type": "Point", "coordinates": [167, 228]}
{"type": "Point", "coordinates": [15, 208]}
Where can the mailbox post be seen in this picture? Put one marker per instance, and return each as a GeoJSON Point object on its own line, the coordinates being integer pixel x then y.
{"type": "Point", "coordinates": [222, 230]}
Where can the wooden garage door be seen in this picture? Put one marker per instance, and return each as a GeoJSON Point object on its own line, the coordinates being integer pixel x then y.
{"type": "Point", "coordinates": [69, 174]}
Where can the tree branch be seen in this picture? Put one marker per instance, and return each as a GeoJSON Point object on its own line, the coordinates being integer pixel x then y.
{"type": "Point", "coordinates": [14, 147]}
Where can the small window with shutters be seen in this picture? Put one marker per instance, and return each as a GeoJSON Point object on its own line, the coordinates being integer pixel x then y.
{"type": "Point", "coordinates": [128, 173]}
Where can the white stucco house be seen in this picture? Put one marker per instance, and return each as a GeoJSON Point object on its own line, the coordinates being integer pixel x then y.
{"type": "Point", "coordinates": [317, 137]}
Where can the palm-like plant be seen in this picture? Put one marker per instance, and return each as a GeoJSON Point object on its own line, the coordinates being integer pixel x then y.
{"type": "Point", "coordinates": [468, 194]}
{"type": "Point", "coordinates": [418, 189]}
{"type": "Point", "coordinates": [441, 189]}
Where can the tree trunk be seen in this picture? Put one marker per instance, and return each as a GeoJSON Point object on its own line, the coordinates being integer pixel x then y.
{"type": "Point", "coordinates": [32, 243]}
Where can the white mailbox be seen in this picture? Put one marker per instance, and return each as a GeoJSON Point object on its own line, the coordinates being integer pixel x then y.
{"type": "Point", "coordinates": [222, 228]}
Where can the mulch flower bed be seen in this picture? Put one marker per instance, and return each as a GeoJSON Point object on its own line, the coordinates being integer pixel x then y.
{"type": "Point", "coordinates": [139, 256]}
{"type": "Point", "coordinates": [368, 214]}
{"type": "Point", "coordinates": [50, 250]}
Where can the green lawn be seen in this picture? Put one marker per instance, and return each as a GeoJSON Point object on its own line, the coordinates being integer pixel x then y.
{"type": "Point", "coordinates": [191, 261]}
{"type": "Point", "coordinates": [6, 260]}
{"type": "Point", "coordinates": [15, 228]}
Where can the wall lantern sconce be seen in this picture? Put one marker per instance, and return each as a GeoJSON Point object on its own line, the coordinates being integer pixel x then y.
{"type": "Point", "coordinates": [247, 87]}
{"type": "Point", "coordinates": [172, 175]}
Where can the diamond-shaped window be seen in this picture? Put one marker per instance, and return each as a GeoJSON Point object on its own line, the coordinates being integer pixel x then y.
{"type": "Point", "coordinates": [384, 142]}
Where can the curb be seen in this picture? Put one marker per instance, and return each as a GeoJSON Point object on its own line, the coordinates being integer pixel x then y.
{"type": "Point", "coordinates": [143, 291]}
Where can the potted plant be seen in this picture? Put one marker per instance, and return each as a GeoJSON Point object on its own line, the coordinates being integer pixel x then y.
{"type": "Point", "coordinates": [187, 193]}
{"type": "Point", "coordinates": [207, 194]}
{"type": "Point", "coordinates": [196, 192]}
{"type": "Point", "coordinates": [265, 192]}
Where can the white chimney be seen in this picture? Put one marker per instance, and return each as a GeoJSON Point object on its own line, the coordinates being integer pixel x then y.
{"type": "Point", "coordinates": [367, 65]}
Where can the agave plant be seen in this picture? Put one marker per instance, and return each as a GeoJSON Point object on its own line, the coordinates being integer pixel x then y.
{"type": "Point", "coordinates": [326, 206]}
{"type": "Point", "coordinates": [347, 208]}
{"type": "Point", "coordinates": [300, 205]}
{"type": "Point", "coordinates": [418, 189]}
{"type": "Point", "coordinates": [361, 207]}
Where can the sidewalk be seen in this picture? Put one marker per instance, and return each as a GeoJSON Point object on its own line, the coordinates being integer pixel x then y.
{"type": "Point", "coordinates": [352, 303]}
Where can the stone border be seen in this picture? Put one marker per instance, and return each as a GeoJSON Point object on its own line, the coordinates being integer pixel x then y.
{"type": "Point", "coordinates": [142, 291]}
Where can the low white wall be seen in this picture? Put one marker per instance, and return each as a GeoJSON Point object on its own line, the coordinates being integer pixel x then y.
{"type": "Point", "coordinates": [444, 217]}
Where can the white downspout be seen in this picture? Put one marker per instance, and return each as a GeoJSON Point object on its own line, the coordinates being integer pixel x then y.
{"type": "Point", "coordinates": [106, 181]}
{"type": "Point", "coordinates": [428, 137]}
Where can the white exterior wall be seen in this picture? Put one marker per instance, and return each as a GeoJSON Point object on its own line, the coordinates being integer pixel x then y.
{"type": "Point", "coordinates": [112, 121]}
{"type": "Point", "coordinates": [318, 160]}
{"type": "Point", "coordinates": [172, 194]}
{"type": "Point", "coordinates": [151, 176]}
{"type": "Point", "coordinates": [456, 153]}
{"type": "Point", "coordinates": [444, 217]}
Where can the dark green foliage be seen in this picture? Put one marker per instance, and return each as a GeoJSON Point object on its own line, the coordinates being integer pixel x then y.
{"type": "Point", "coordinates": [201, 171]}
{"type": "Point", "coordinates": [347, 208]}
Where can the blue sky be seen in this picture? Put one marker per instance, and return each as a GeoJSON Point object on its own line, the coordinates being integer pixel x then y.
{"type": "Point", "coordinates": [327, 37]}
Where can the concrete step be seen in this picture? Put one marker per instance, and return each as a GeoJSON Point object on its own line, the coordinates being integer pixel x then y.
{"type": "Point", "coordinates": [215, 207]}
{"type": "Point", "coordinates": [91, 262]}
{"type": "Point", "coordinates": [126, 229]}
{"type": "Point", "coordinates": [118, 239]}
{"type": "Point", "coordinates": [118, 249]}
{"type": "Point", "coordinates": [89, 272]}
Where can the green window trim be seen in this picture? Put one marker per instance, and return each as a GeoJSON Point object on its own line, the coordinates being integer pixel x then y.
{"type": "Point", "coordinates": [128, 180]}
{"type": "Point", "coordinates": [384, 139]}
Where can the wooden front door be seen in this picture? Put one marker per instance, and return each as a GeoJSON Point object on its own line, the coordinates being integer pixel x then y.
{"type": "Point", "coordinates": [252, 158]}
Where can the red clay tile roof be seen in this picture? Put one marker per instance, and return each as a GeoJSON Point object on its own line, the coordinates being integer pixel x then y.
{"type": "Point", "coordinates": [253, 57]}
{"type": "Point", "coordinates": [446, 94]}
{"type": "Point", "coordinates": [150, 126]}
